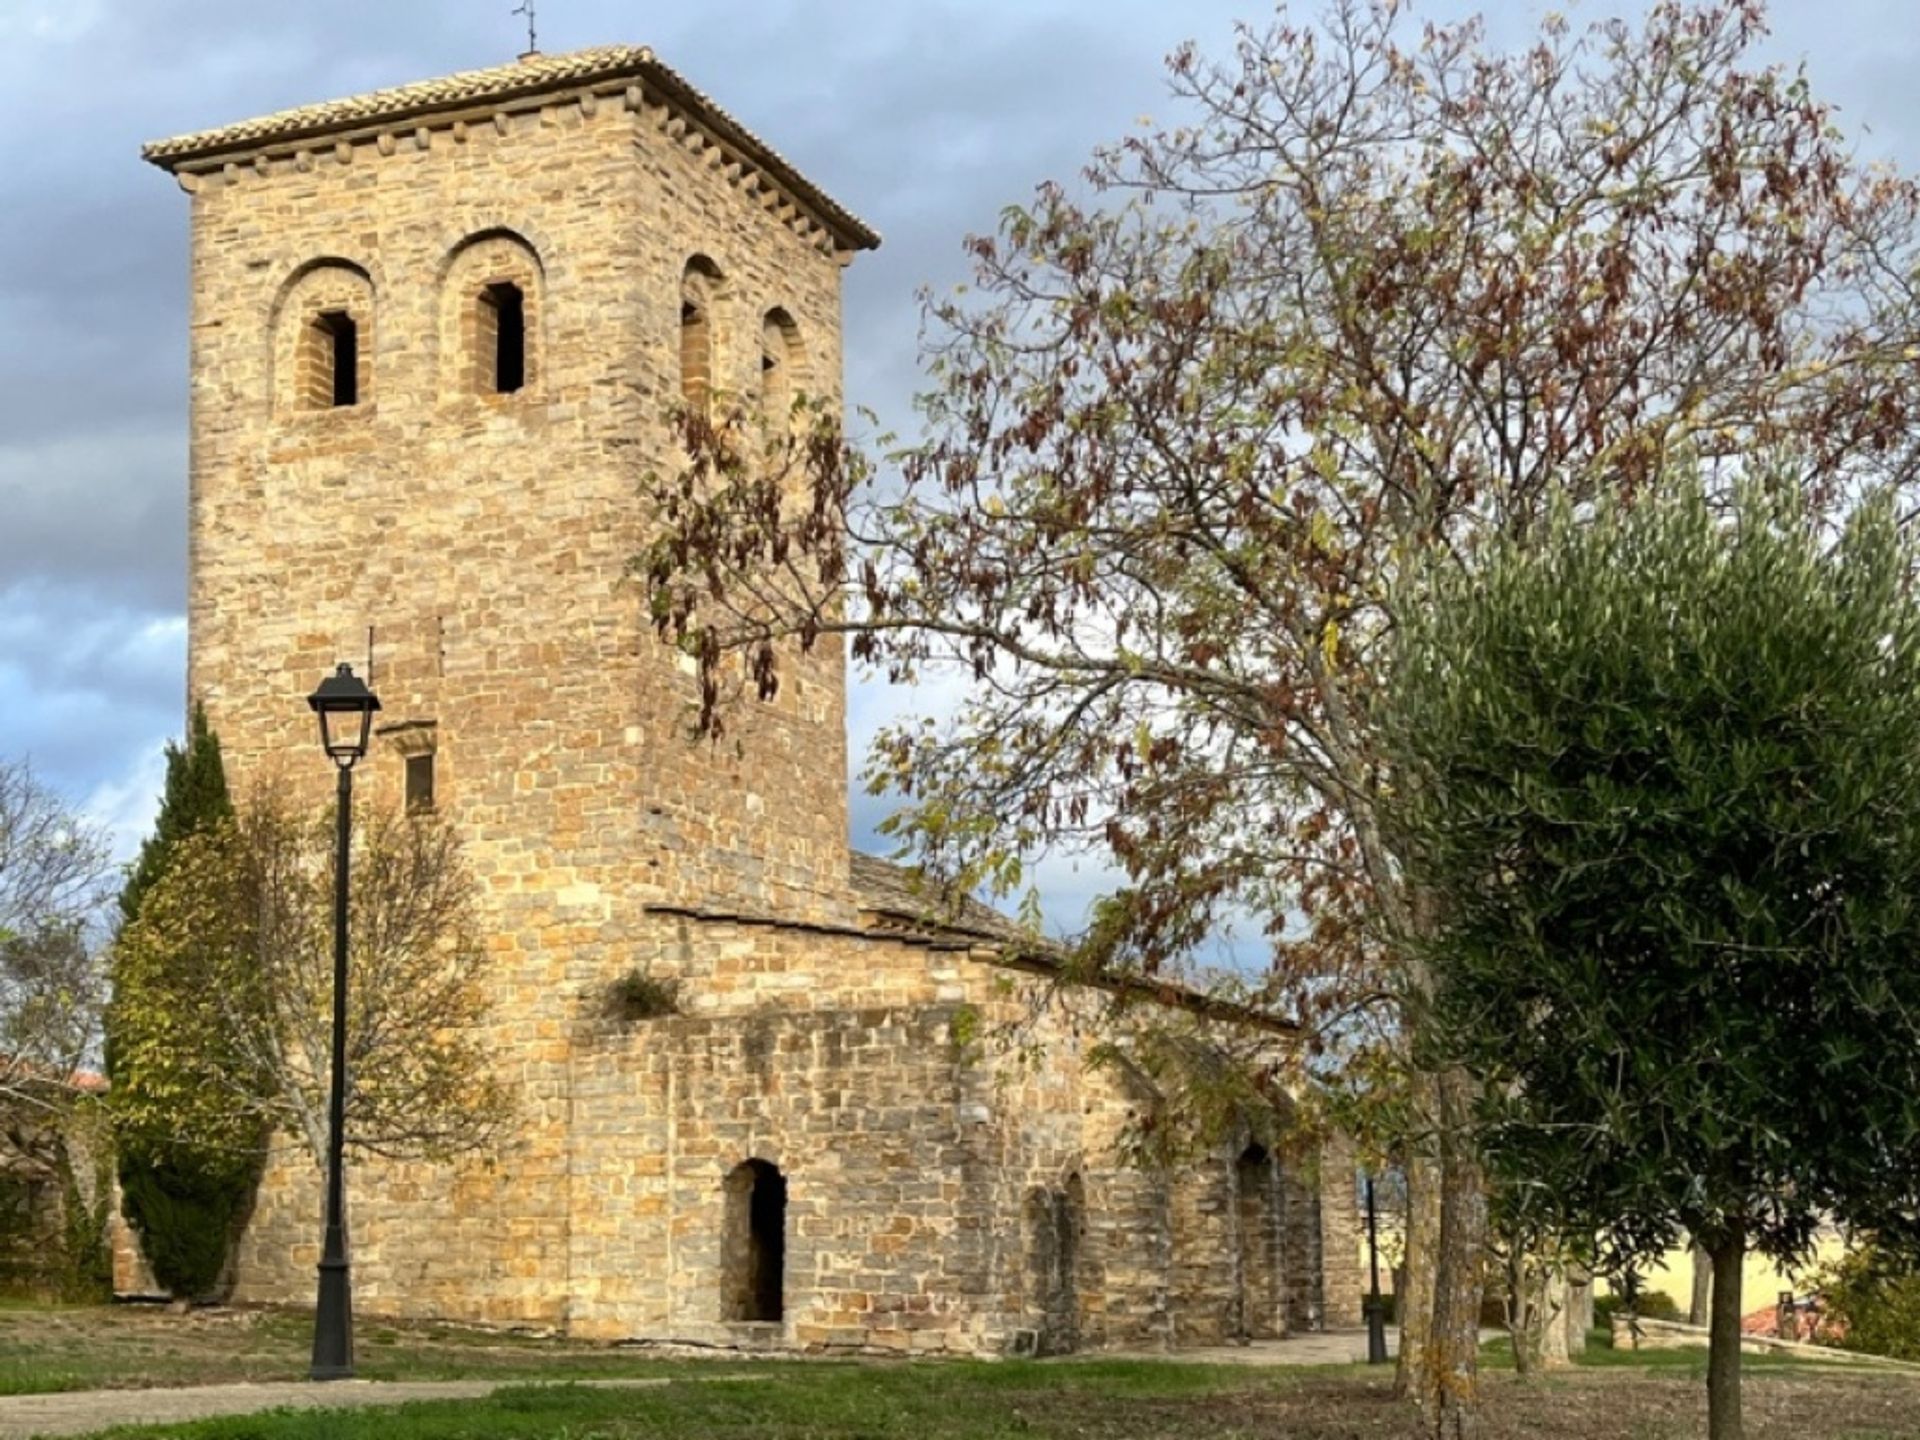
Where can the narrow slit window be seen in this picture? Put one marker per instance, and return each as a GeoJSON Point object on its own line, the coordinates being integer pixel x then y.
{"type": "Point", "coordinates": [420, 784]}
{"type": "Point", "coordinates": [337, 351]}
{"type": "Point", "coordinates": [773, 387]}
{"type": "Point", "coordinates": [504, 313]}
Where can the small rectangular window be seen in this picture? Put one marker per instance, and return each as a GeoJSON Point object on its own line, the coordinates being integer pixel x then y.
{"type": "Point", "coordinates": [419, 784]}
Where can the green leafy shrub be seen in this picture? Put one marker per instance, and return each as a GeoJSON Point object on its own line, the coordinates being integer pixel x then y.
{"type": "Point", "coordinates": [1650, 1305]}
{"type": "Point", "coordinates": [188, 1206]}
{"type": "Point", "coordinates": [1658, 1305]}
{"type": "Point", "coordinates": [637, 995]}
{"type": "Point", "coordinates": [1872, 1303]}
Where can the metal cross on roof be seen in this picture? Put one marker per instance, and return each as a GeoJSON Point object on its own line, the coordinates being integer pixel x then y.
{"type": "Point", "coordinates": [526, 8]}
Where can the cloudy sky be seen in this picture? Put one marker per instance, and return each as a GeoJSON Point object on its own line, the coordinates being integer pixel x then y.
{"type": "Point", "coordinates": [924, 116]}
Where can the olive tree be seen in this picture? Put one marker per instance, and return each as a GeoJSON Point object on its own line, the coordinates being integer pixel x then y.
{"type": "Point", "coordinates": [1657, 771]}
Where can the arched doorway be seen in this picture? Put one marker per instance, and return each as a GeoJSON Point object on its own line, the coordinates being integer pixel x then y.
{"type": "Point", "coordinates": [753, 1253]}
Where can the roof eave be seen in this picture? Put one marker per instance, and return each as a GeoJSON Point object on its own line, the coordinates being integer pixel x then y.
{"type": "Point", "coordinates": [208, 149]}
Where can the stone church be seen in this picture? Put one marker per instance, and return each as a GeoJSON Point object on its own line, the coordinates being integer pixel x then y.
{"type": "Point", "coordinates": [436, 334]}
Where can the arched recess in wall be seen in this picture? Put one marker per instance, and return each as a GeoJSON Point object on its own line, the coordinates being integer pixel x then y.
{"type": "Point", "coordinates": [1259, 1219]}
{"type": "Point", "coordinates": [701, 288]}
{"type": "Point", "coordinates": [753, 1246]}
{"type": "Point", "coordinates": [492, 319]}
{"type": "Point", "coordinates": [1059, 1275]}
{"type": "Point", "coordinates": [321, 330]}
{"type": "Point", "coordinates": [783, 373]}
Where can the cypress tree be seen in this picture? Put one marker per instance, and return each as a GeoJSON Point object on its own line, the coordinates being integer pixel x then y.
{"type": "Point", "coordinates": [187, 1202]}
{"type": "Point", "coordinates": [195, 797]}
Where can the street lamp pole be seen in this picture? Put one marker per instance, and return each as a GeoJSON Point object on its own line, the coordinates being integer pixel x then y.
{"type": "Point", "coordinates": [340, 701]}
{"type": "Point", "coordinates": [1376, 1307]}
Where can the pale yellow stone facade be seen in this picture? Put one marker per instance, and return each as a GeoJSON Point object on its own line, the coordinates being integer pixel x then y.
{"type": "Point", "coordinates": [808, 1155]}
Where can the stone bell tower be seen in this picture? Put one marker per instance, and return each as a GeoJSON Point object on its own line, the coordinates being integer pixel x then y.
{"type": "Point", "coordinates": [437, 332]}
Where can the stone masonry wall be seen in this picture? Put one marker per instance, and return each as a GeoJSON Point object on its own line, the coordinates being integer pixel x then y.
{"type": "Point", "coordinates": [945, 1194]}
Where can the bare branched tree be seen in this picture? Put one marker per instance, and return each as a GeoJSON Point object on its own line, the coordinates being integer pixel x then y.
{"type": "Point", "coordinates": [237, 941]}
{"type": "Point", "coordinates": [53, 869]}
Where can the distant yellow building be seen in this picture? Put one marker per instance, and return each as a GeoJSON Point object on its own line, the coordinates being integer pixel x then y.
{"type": "Point", "coordinates": [1762, 1280]}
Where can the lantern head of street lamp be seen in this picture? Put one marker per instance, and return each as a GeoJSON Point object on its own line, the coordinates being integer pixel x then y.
{"type": "Point", "coordinates": [346, 708]}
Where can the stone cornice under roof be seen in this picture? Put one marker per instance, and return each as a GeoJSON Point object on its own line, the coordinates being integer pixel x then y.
{"type": "Point", "coordinates": [472, 89]}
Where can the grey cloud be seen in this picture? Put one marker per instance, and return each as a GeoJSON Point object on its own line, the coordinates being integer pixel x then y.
{"type": "Point", "coordinates": [95, 517]}
{"type": "Point", "coordinates": [89, 687]}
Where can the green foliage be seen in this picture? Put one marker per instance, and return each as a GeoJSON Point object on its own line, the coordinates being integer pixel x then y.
{"type": "Point", "coordinates": [84, 1274]}
{"type": "Point", "coordinates": [1872, 1303]}
{"type": "Point", "coordinates": [638, 995]}
{"type": "Point", "coordinates": [233, 951]}
{"type": "Point", "coordinates": [55, 1196]}
{"type": "Point", "coordinates": [185, 1187]}
{"type": "Point", "coordinates": [1658, 777]}
{"type": "Point", "coordinates": [20, 1236]}
{"type": "Point", "coordinates": [195, 797]}
{"type": "Point", "coordinates": [1657, 1305]}
{"type": "Point", "coordinates": [187, 1204]}
{"type": "Point", "coordinates": [1647, 1304]}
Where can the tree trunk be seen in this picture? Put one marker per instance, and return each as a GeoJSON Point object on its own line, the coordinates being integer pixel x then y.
{"type": "Point", "coordinates": [1699, 1310]}
{"type": "Point", "coordinates": [1523, 1313]}
{"type": "Point", "coordinates": [1414, 1301]}
{"type": "Point", "coordinates": [1446, 1249]}
{"type": "Point", "coordinates": [1723, 1353]}
{"type": "Point", "coordinates": [1555, 1306]}
{"type": "Point", "coordinates": [1453, 1347]}
{"type": "Point", "coordinates": [1579, 1312]}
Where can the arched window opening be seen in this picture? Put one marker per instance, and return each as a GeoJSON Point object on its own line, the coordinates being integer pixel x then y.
{"type": "Point", "coordinates": [332, 356]}
{"type": "Point", "coordinates": [698, 288]}
{"type": "Point", "coordinates": [492, 289]}
{"type": "Point", "coordinates": [753, 1254]}
{"type": "Point", "coordinates": [321, 332]}
{"type": "Point", "coordinates": [782, 377]}
{"type": "Point", "coordinates": [503, 337]}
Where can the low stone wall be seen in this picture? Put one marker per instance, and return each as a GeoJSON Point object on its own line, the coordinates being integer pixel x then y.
{"type": "Point", "coordinates": [1632, 1333]}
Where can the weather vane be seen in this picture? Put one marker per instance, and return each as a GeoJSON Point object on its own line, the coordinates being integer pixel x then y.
{"type": "Point", "coordinates": [525, 7]}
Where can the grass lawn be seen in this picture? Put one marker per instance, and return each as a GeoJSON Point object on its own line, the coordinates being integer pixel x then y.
{"type": "Point", "coordinates": [1112, 1400]}
{"type": "Point", "coordinates": [126, 1347]}
{"type": "Point", "coordinates": [1651, 1395]}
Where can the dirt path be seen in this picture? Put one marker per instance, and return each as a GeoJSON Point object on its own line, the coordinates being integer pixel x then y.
{"type": "Point", "coordinates": [81, 1412]}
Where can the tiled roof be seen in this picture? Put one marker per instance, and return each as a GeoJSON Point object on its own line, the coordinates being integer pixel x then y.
{"type": "Point", "coordinates": [897, 893]}
{"type": "Point", "coordinates": [899, 897]}
{"type": "Point", "coordinates": [532, 75]}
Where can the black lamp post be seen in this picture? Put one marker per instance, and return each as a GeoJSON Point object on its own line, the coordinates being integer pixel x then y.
{"type": "Point", "coordinates": [346, 709]}
{"type": "Point", "coordinates": [1375, 1307]}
